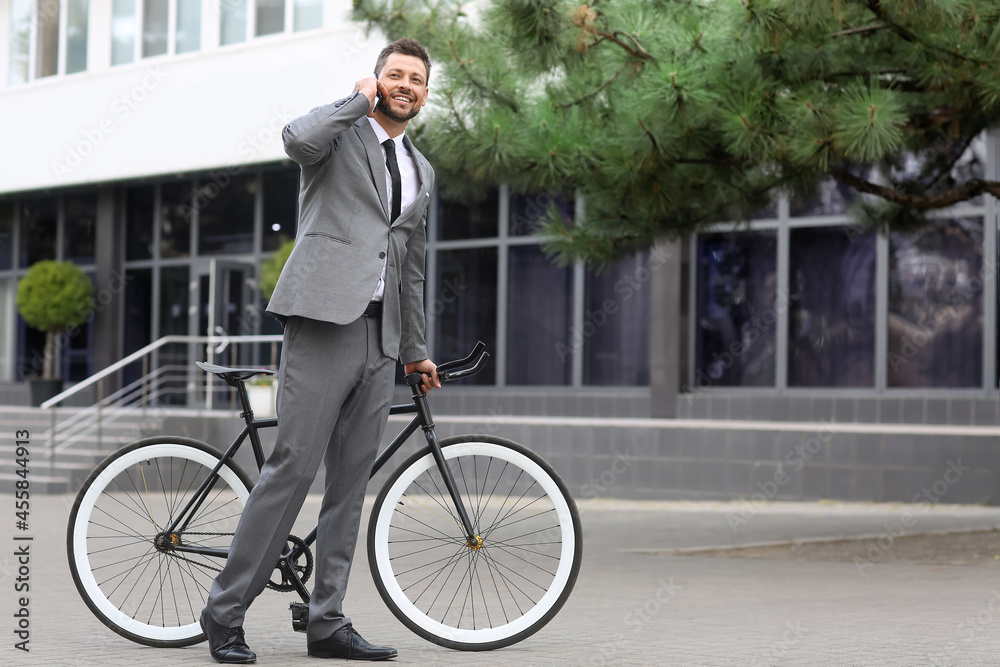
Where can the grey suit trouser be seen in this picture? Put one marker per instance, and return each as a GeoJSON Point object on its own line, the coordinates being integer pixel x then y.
{"type": "Point", "coordinates": [335, 388]}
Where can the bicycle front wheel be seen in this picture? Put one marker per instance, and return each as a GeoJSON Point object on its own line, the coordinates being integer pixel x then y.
{"type": "Point", "coordinates": [130, 570]}
{"type": "Point", "coordinates": [507, 584]}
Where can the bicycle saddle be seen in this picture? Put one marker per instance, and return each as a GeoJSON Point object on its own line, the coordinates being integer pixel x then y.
{"type": "Point", "coordinates": [230, 374]}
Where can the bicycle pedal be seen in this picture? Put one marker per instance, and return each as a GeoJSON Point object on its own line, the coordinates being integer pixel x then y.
{"type": "Point", "coordinates": [300, 616]}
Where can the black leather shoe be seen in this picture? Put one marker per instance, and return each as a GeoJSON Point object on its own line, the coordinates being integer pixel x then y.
{"type": "Point", "coordinates": [226, 644]}
{"type": "Point", "coordinates": [348, 644]}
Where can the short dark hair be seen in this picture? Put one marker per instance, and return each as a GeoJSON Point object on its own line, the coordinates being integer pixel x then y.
{"type": "Point", "coordinates": [406, 46]}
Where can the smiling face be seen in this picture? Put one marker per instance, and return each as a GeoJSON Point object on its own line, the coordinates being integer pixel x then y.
{"type": "Point", "coordinates": [406, 80]}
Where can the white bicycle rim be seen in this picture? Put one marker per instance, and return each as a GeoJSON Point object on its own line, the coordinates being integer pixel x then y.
{"type": "Point", "coordinates": [485, 635]}
{"type": "Point", "coordinates": [94, 592]}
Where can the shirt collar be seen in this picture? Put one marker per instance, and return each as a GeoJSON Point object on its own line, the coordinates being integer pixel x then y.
{"type": "Point", "coordinates": [382, 135]}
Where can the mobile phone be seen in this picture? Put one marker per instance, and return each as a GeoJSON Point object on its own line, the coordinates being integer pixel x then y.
{"type": "Point", "coordinates": [378, 95]}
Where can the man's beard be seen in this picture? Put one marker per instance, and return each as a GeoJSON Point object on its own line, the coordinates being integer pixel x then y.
{"type": "Point", "coordinates": [386, 110]}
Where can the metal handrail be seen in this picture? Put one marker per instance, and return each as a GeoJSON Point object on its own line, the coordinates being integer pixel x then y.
{"type": "Point", "coordinates": [155, 345]}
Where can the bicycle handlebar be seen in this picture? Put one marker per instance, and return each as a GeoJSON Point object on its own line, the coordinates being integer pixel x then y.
{"type": "Point", "coordinates": [455, 370]}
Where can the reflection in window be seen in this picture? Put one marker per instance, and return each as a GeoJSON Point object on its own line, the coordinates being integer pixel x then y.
{"type": "Point", "coordinates": [233, 18]}
{"type": "Point", "coordinates": [20, 41]}
{"type": "Point", "coordinates": [175, 220]}
{"type": "Point", "coordinates": [281, 199]}
{"type": "Point", "coordinates": [81, 226]}
{"type": "Point", "coordinates": [308, 14]}
{"type": "Point", "coordinates": [472, 220]}
{"type": "Point", "coordinates": [6, 236]}
{"type": "Point", "coordinates": [539, 312]}
{"type": "Point", "coordinates": [139, 222]}
{"type": "Point", "coordinates": [616, 323]}
{"type": "Point", "coordinates": [527, 211]}
{"type": "Point", "coordinates": [829, 197]}
{"type": "Point", "coordinates": [39, 218]}
{"type": "Point", "coordinates": [831, 310]}
{"type": "Point", "coordinates": [47, 38]}
{"type": "Point", "coordinates": [139, 315]}
{"type": "Point", "coordinates": [188, 35]}
{"type": "Point", "coordinates": [967, 163]}
{"type": "Point", "coordinates": [175, 297]}
{"type": "Point", "coordinates": [122, 31]}
{"type": "Point", "coordinates": [465, 308]}
{"type": "Point", "coordinates": [155, 22]}
{"type": "Point", "coordinates": [76, 35]}
{"type": "Point", "coordinates": [736, 309]}
{"type": "Point", "coordinates": [936, 305]}
{"type": "Point", "coordinates": [270, 17]}
{"type": "Point", "coordinates": [225, 222]}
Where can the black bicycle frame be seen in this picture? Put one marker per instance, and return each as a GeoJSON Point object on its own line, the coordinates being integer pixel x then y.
{"type": "Point", "coordinates": [422, 419]}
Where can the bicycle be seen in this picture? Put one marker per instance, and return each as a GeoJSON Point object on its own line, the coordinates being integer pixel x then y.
{"type": "Point", "coordinates": [153, 521]}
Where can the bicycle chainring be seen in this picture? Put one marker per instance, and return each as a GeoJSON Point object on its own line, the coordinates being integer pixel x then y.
{"type": "Point", "coordinates": [302, 566]}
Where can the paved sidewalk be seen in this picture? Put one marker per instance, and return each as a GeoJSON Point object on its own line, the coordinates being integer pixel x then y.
{"type": "Point", "coordinates": [637, 601]}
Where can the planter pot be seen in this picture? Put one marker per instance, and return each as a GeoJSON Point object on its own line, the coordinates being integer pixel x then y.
{"type": "Point", "coordinates": [43, 390]}
{"type": "Point", "coordinates": [262, 399]}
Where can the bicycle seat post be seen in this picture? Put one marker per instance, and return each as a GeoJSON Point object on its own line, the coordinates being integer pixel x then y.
{"type": "Point", "coordinates": [415, 381]}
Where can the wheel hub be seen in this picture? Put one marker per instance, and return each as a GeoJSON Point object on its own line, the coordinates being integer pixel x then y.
{"type": "Point", "coordinates": [475, 543]}
{"type": "Point", "coordinates": [167, 541]}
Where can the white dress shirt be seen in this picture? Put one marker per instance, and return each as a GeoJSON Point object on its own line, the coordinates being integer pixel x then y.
{"type": "Point", "coordinates": [408, 179]}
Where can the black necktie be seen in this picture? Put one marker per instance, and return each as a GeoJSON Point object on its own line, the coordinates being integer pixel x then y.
{"type": "Point", "coordinates": [397, 184]}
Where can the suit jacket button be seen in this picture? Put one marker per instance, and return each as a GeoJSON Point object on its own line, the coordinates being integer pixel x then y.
{"type": "Point", "coordinates": [381, 255]}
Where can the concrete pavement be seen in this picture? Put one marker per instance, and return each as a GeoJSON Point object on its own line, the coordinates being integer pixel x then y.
{"type": "Point", "coordinates": [642, 598]}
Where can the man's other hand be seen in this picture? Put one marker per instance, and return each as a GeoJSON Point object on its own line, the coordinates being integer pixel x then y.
{"type": "Point", "coordinates": [428, 369]}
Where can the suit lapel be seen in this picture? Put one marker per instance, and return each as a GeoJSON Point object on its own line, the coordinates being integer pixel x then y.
{"type": "Point", "coordinates": [376, 163]}
{"type": "Point", "coordinates": [426, 176]}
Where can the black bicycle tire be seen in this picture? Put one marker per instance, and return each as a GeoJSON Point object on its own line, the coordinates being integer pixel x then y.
{"type": "Point", "coordinates": [128, 449]}
{"type": "Point", "coordinates": [541, 622]}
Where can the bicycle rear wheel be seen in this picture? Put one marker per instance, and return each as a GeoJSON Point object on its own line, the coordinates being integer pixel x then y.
{"type": "Point", "coordinates": [504, 587]}
{"type": "Point", "coordinates": [122, 559]}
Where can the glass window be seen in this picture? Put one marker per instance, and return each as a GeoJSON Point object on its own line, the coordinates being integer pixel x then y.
{"type": "Point", "coordinates": [539, 315]}
{"type": "Point", "coordinates": [225, 223]}
{"type": "Point", "coordinates": [77, 16]}
{"type": "Point", "coordinates": [20, 41]}
{"type": "Point", "coordinates": [308, 14]}
{"type": "Point", "coordinates": [831, 310]}
{"type": "Point", "coordinates": [78, 349]}
{"type": "Point", "coordinates": [6, 236]}
{"type": "Point", "coordinates": [615, 330]}
{"type": "Point", "coordinates": [526, 211]}
{"type": "Point", "coordinates": [188, 35]}
{"type": "Point", "coordinates": [175, 220]}
{"type": "Point", "coordinates": [175, 297]}
{"type": "Point", "coordinates": [736, 309]}
{"type": "Point", "coordinates": [233, 18]}
{"type": "Point", "coordinates": [270, 17]}
{"type": "Point", "coordinates": [472, 220]}
{"type": "Point", "coordinates": [936, 305]}
{"type": "Point", "coordinates": [465, 310]}
{"type": "Point", "coordinates": [122, 31]}
{"type": "Point", "coordinates": [39, 219]}
{"type": "Point", "coordinates": [47, 38]}
{"type": "Point", "coordinates": [7, 331]}
{"type": "Point", "coordinates": [80, 229]}
{"type": "Point", "coordinates": [139, 315]}
{"type": "Point", "coordinates": [155, 24]}
{"type": "Point", "coordinates": [281, 200]}
{"type": "Point", "coordinates": [139, 222]}
{"type": "Point", "coordinates": [829, 197]}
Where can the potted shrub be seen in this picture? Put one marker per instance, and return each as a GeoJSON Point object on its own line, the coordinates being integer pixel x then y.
{"type": "Point", "coordinates": [263, 389]}
{"type": "Point", "coordinates": [54, 297]}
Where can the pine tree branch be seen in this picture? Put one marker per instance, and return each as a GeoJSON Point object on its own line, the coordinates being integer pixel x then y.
{"type": "Point", "coordinates": [637, 51]}
{"type": "Point", "coordinates": [875, 6]}
{"type": "Point", "coordinates": [594, 92]}
{"type": "Point", "coordinates": [971, 188]}
{"type": "Point", "coordinates": [858, 31]}
{"type": "Point", "coordinates": [454, 111]}
{"type": "Point", "coordinates": [478, 84]}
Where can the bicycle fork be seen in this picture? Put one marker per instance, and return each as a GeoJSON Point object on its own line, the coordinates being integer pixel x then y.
{"type": "Point", "coordinates": [414, 382]}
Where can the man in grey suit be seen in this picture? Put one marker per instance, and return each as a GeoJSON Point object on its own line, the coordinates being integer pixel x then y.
{"type": "Point", "coordinates": [351, 300]}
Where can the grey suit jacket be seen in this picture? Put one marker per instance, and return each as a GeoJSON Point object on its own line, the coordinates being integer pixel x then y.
{"type": "Point", "coordinates": [344, 234]}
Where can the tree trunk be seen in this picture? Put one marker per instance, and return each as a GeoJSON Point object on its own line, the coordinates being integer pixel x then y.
{"type": "Point", "coordinates": [50, 339]}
